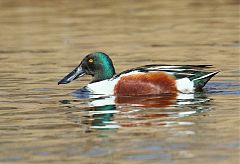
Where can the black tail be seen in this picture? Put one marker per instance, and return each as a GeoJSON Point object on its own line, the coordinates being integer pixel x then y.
{"type": "Point", "coordinates": [201, 80]}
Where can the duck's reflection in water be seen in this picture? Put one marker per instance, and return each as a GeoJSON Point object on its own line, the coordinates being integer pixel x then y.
{"type": "Point", "coordinates": [101, 117]}
{"type": "Point", "coordinates": [155, 110]}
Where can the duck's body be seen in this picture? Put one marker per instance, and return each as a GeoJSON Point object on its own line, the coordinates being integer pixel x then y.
{"type": "Point", "coordinates": [153, 80]}
{"type": "Point", "coordinates": [145, 80]}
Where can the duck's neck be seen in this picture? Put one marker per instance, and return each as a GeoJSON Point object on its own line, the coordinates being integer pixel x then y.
{"type": "Point", "coordinates": [104, 73]}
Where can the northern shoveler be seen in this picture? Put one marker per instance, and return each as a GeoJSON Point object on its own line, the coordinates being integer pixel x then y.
{"type": "Point", "coordinates": [145, 80]}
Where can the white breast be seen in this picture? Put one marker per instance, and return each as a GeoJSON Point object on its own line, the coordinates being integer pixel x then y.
{"type": "Point", "coordinates": [105, 87]}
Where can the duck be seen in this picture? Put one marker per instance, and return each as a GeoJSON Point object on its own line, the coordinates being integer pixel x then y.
{"type": "Point", "coordinates": [142, 80]}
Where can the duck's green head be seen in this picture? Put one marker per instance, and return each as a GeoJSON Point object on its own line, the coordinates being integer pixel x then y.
{"type": "Point", "coordinates": [97, 64]}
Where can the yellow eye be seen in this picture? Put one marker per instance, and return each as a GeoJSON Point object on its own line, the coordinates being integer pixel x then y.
{"type": "Point", "coordinates": [90, 60]}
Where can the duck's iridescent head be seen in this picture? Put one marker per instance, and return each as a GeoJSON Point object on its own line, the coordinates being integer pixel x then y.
{"type": "Point", "coordinates": [97, 64]}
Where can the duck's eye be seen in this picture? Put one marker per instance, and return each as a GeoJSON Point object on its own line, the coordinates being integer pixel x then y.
{"type": "Point", "coordinates": [90, 60]}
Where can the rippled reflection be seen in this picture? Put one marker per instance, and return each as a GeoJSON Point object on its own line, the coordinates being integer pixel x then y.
{"type": "Point", "coordinates": [133, 111]}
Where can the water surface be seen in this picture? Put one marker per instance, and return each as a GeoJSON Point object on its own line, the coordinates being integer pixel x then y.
{"type": "Point", "coordinates": [42, 122]}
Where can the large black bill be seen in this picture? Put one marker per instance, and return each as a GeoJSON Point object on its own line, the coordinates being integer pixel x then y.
{"type": "Point", "coordinates": [77, 72]}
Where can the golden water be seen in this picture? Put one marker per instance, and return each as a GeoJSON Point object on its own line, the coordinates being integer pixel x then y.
{"type": "Point", "coordinates": [41, 41]}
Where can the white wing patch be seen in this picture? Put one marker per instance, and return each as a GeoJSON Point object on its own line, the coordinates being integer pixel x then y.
{"type": "Point", "coordinates": [132, 73]}
{"type": "Point", "coordinates": [161, 67]}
